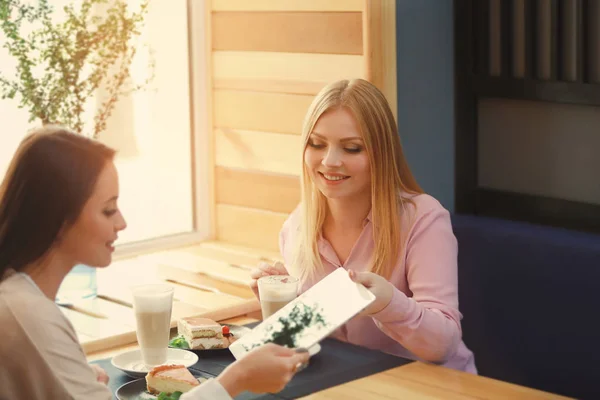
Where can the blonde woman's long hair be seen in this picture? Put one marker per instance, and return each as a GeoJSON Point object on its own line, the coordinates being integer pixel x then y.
{"type": "Point", "coordinates": [390, 176]}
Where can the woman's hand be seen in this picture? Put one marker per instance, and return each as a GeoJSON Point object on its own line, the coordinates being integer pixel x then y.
{"type": "Point", "coordinates": [378, 285]}
{"type": "Point", "coordinates": [101, 375]}
{"type": "Point", "coordinates": [265, 269]}
{"type": "Point", "coordinates": [264, 370]}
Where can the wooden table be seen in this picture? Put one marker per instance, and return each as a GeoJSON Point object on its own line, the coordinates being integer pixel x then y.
{"type": "Point", "coordinates": [211, 279]}
{"type": "Point", "coordinates": [420, 381]}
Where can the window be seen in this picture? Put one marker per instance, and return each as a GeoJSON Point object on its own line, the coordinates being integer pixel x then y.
{"type": "Point", "coordinates": [151, 131]}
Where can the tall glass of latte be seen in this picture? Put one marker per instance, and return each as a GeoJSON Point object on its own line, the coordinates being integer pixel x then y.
{"type": "Point", "coordinates": [275, 291]}
{"type": "Point", "coordinates": [152, 304]}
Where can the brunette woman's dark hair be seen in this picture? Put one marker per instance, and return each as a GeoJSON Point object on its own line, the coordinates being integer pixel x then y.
{"type": "Point", "coordinates": [50, 178]}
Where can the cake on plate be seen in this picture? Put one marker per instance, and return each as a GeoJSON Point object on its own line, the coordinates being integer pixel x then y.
{"type": "Point", "coordinates": [202, 333]}
{"type": "Point", "coordinates": [170, 379]}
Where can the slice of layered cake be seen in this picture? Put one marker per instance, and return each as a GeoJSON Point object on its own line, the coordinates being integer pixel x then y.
{"type": "Point", "coordinates": [170, 379]}
{"type": "Point", "coordinates": [202, 333]}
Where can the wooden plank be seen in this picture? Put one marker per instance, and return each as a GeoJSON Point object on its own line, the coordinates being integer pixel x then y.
{"type": "Point", "coordinates": [242, 257]}
{"type": "Point", "coordinates": [270, 85]}
{"type": "Point", "coordinates": [193, 277]}
{"type": "Point", "coordinates": [273, 192]}
{"type": "Point", "coordinates": [116, 295]}
{"type": "Point", "coordinates": [244, 251]}
{"type": "Point", "coordinates": [204, 299]}
{"type": "Point", "coordinates": [183, 310]}
{"type": "Point", "coordinates": [297, 32]}
{"type": "Point", "coordinates": [308, 67]}
{"type": "Point", "coordinates": [116, 286]}
{"type": "Point", "coordinates": [388, 56]}
{"type": "Point", "coordinates": [108, 342]}
{"type": "Point", "coordinates": [233, 259]}
{"type": "Point", "coordinates": [243, 307]}
{"type": "Point", "coordinates": [83, 338]}
{"type": "Point", "coordinates": [249, 227]}
{"type": "Point", "coordinates": [210, 267]}
{"type": "Point", "coordinates": [260, 151]}
{"type": "Point", "coordinates": [124, 273]}
{"type": "Point", "coordinates": [380, 40]}
{"type": "Point", "coordinates": [215, 261]}
{"type": "Point", "coordinates": [287, 5]}
{"type": "Point", "coordinates": [255, 111]}
{"type": "Point", "coordinates": [107, 309]}
{"type": "Point", "coordinates": [201, 85]}
{"type": "Point", "coordinates": [94, 327]}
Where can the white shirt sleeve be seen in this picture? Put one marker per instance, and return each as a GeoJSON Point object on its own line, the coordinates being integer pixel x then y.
{"type": "Point", "coordinates": [209, 390]}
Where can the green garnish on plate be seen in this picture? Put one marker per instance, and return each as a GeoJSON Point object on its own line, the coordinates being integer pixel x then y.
{"type": "Point", "coordinates": [173, 396]}
{"type": "Point", "coordinates": [180, 343]}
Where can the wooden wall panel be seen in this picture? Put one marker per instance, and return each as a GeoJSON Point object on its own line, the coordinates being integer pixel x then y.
{"type": "Point", "coordinates": [267, 112]}
{"type": "Point", "coordinates": [270, 85]}
{"type": "Point", "coordinates": [259, 151]}
{"type": "Point", "coordinates": [381, 37]}
{"type": "Point", "coordinates": [268, 59]}
{"type": "Point", "coordinates": [249, 227]}
{"type": "Point", "coordinates": [294, 32]}
{"type": "Point", "coordinates": [275, 192]}
{"type": "Point", "coordinates": [307, 67]}
{"type": "Point", "coordinates": [287, 5]}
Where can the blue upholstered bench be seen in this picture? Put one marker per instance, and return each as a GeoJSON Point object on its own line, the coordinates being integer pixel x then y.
{"type": "Point", "coordinates": [530, 296]}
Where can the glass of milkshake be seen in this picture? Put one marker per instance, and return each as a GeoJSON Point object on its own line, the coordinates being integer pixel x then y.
{"type": "Point", "coordinates": [152, 305]}
{"type": "Point", "coordinates": [275, 291]}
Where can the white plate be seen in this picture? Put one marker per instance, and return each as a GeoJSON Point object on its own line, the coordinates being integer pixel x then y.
{"type": "Point", "coordinates": [136, 390]}
{"type": "Point", "coordinates": [131, 362]}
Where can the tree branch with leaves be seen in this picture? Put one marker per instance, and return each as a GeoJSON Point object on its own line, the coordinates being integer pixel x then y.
{"type": "Point", "coordinates": [60, 66]}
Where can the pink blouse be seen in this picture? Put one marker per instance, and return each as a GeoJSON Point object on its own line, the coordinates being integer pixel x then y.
{"type": "Point", "coordinates": [422, 321]}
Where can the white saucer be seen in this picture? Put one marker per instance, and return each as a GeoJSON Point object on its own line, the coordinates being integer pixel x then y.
{"type": "Point", "coordinates": [314, 349]}
{"type": "Point", "coordinates": [131, 362]}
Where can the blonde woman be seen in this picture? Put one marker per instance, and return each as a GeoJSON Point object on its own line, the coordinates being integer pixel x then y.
{"type": "Point", "coordinates": [363, 211]}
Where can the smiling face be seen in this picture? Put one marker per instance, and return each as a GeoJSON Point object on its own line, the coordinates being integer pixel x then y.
{"type": "Point", "coordinates": [90, 240]}
{"type": "Point", "coordinates": [335, 156]}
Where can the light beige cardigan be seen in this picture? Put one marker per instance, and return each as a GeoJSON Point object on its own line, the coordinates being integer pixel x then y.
{"type": "Point", "coordinates": [40, 356]}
